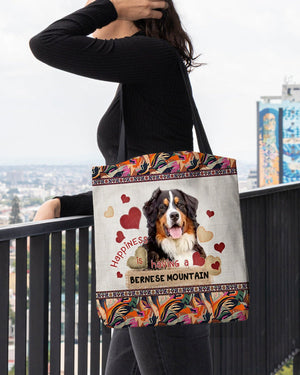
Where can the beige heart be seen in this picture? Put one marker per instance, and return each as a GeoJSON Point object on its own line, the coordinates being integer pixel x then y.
{"type": "Point", "coordinates": [139, 260]}
{"type": "Point", "coordinates": [204, 235]}
{"type": "Point", "coordinates": [213, 265]}
{"type": "Point", "coordinates": [109, 212]}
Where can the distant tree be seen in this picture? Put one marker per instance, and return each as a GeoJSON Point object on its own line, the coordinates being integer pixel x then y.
{"type": "Point", "coordinates": [14, 217]}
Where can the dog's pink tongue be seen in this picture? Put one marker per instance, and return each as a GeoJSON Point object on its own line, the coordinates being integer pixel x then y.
{"type": "Point", "coordinates": [175, 232]}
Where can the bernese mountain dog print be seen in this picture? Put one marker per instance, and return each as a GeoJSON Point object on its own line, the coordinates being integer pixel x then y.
{"type": "Point", "coordinates": [172, 227]}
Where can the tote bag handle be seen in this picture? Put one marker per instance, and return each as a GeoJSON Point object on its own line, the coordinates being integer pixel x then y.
{"type": "Point", "coordinates": [200, 132]}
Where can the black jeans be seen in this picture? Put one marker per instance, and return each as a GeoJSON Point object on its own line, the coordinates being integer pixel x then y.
{"type": "Point", "coordinates": [177, 350]}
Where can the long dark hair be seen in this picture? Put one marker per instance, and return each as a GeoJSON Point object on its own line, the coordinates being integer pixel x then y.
{"type": "Point", "coordinates": [169, 28]}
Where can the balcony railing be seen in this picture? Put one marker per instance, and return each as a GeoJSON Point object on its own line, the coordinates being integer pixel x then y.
{"type": "Point", "coordinates": [49, 342]}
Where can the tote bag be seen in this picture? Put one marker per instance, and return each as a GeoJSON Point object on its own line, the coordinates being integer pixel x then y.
{"type": "Point", "coordinates": [168, 237]}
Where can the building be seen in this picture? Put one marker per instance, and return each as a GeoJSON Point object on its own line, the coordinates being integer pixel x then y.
{"type": "Point", "coordinates": [278, 135]}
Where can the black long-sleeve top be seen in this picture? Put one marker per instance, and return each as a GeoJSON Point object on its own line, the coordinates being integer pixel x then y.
{"type": "Point", "coordinates": [157, 112]}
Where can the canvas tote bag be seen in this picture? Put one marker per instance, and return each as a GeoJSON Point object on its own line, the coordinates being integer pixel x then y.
{"type": "Point", "coordinates": [168, 237]}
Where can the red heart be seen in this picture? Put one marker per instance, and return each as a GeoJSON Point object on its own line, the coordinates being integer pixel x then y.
{"type": "Point", "coordinates": [132, 220]}
{"type": "Point", "coordinates": [119, 275]}
{"type": "Point", "coordinates": [219, 247]}
{"type": "Point", "coordinates": [124, 198]}
{"type": "Point", "coordinates": [215, 265]}
{"type": "Point", "coordinates": [120, 237]}
{"type": "Point", "coordinates": [210, 213]}
{"type": "Point", "coordinates": [198, 260]}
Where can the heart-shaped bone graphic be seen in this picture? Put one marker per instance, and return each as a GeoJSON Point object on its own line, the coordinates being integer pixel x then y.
{"type": "Point", "coordinates": [213, 265]}
{"type": "Point", "coordinates": [139, 260]}
{"type": "Point", "coordinates": [120, 237]}
{"type": "Point", "coordinates": [210, 213]}
{"type": "Point", "coordinates": [124, 198]}
{"type": "Point", "coordinates": [204, 235]}
{"type": "Point", "coordinates": [109, 212]}
{"type": "Point", "coordinates": [132, 220]}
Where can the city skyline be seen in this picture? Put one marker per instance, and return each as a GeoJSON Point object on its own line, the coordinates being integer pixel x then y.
{"type": "Point", "coordinates": [49, 116]}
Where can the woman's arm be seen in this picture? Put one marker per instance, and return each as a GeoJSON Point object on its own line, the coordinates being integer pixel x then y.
{"type": "Point", "coordinates": [48, 210]}
{"type": "Point", "coordinates": [64, 45]}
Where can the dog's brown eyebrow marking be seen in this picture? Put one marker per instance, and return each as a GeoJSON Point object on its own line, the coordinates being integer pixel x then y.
{"type": "Point", "coordinates": [176, 200]}
{"type": "Point", "coordinates": [166, 202]}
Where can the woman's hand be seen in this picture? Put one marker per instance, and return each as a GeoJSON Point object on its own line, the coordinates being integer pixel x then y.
{"type": "Point", "coordinates": [48, 210]}
{"type": "Point", "coordinates": [133, 10]}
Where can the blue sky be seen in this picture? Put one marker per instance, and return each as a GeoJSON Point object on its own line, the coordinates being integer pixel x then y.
{"type": "Point", "coordinates": [52, 116]}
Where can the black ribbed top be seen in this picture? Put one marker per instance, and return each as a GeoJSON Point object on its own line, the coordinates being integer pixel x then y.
{"type": "Point", "coordinates": [156, 107]}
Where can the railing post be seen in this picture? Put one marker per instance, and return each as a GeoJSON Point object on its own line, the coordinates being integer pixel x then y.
{"type": "Point", "coordinates": [95, 321]}
{"type": "Point", "coordinates": [83, 300]}
{"type": "Point", "coordinates": [21, 306]}
{"type": "Point", "coordinates": [55, 331]}
{"type": "Point", "coordinates": [38, 316]}
{"type": "Point", "coordinates": [70, 302]}
{"type": "Point", "coordinates": [4, 305]}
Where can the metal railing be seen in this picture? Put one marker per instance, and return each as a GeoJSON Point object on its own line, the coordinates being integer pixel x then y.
{"type": "Point", "coordinates": [258, 346]}
{"type": "Point", "coordinates": [46, 242]}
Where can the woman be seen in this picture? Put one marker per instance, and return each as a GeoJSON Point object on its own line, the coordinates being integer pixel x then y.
{"type": "Point", "coordinates": [136, 44]}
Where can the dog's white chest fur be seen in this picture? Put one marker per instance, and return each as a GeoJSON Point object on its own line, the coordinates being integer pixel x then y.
{"type": "Point", "coordinates": [180, 249]}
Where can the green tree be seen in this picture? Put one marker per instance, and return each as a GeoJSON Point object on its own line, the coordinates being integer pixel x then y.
{"type": "Point", "coordinates": [14, 217]}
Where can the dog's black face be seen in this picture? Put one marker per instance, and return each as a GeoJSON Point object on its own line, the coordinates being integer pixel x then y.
{"type": "Point", "coordinates": [170, 213]}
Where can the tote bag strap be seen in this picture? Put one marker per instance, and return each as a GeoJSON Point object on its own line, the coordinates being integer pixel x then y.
{"type": "Point", "coordinates": [200, 132]}
{"type": "Point", "coordinates": [122, 151]}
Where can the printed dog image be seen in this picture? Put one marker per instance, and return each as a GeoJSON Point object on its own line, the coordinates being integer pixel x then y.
{"type": "Point", "coordinates": [172, 226]}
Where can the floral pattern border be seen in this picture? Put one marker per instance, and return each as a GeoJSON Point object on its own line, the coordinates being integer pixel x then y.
{"type": "Point", "coordinates": [194, 308]}
{"type": "Point", "coordinates": [195, 163]}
